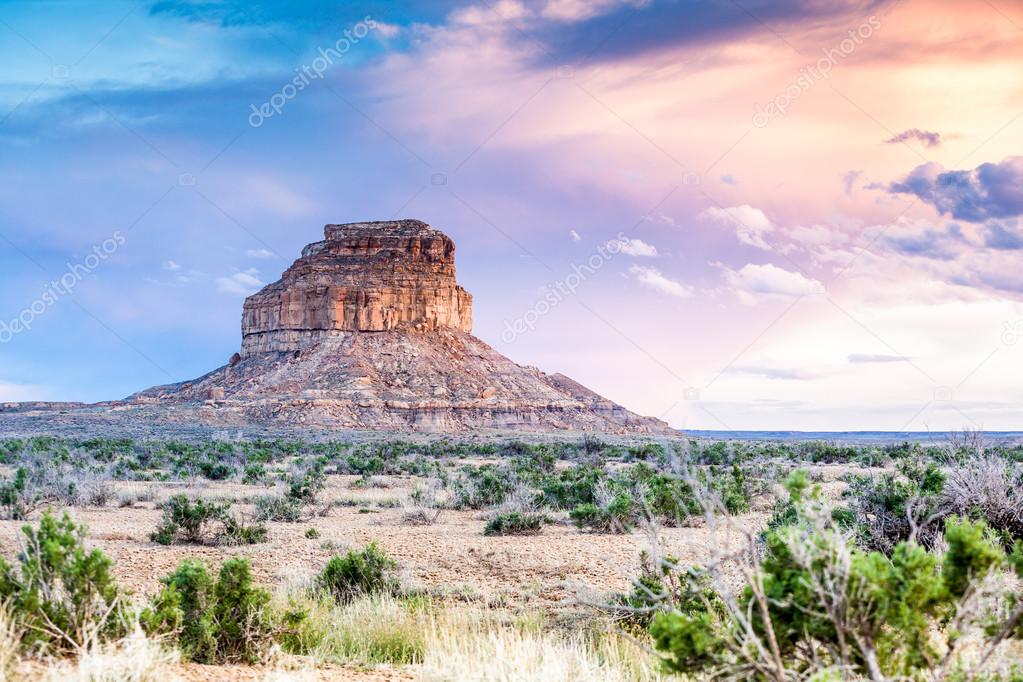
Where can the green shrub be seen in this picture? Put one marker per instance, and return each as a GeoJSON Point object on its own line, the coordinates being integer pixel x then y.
{"type": "Point", "coordinates": [820, 604]}
{"type": "Point", "coordinates": [278, 508]}
{"type": "Point", "coordinates": [187, 520]}
{"type": "Point", "coordinates": [571, 487]}
{"type": "Point", "coordinates": [516, 523]}
{"type": "Point", "coordinates": [312, 534]}
{"type": "Point", "coordinates": [735, 490]}
{"type": "Point", "coordinates": [222, 621]}
{"type": "Point", "coordinates": [883, 504]}
{"type": "Point", "coordinates": [17, 497]}
{"type": "Point", "coordinates": [619, 515]}
{"type": "Point", "coordinates": [357, 573]}
{"type": "Point", "coordinates": [60, 594]}
{"type": "Point", "coordinates": [305, 484]}
{"type": "Point", "coordinates": [191, 521]}
{"type": "Point", "coordinates": [254, 474]}
{"type": "Point", "coordinates": [239, 533]}
{"type": "Point", "coordinates": [482, 487]}
{"type": "Point", "coordinates": [662, 587]}
{"type": "Point", "coordinates": [786, 511]}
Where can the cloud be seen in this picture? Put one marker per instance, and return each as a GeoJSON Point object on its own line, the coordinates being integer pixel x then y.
{"type": "Point", "coordinates": [387, 30]}
{"type": "Point", "coordinates": [921, 238]}
{"type": "Point", "coordinates": [772, 372]}
{"type": "Point", "coordinates": [490, 13]}
{"type": "Point", "coordinates": [261, 254]}
{"type": "Point", "coordinates": [240, 283]}
{"type": "Point", "coordinates": [653, 278]}
{"type": "Point", "coordinates": [635, 247]}
{"type": "Point", "coordinates": [925, 137]}
{"type": "Point", "coordinates": [661, 218]}
{"type": "Point", "coordinates": [770, 280]}
{"type": "Point", "coordinates": [750, 224]}
{"type": "Point", "coordinates": [849, 179]}
{"type": "Point", "coordinates": [1003, 236]}
{"type": "Point", "coordinates": [990, 191]}
{"type": "Point", "coordinates": [865, 358]}
{"type": "Point", "coordinates": [641, 28]}
{"type": "Point", "coordinates": [575, 236]}
{"type": "Point", "coordinates": [580, 10]}
{"type": "Point", "coordinates": [171, 266]}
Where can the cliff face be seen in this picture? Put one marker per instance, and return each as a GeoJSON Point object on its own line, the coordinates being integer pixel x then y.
{"type": "Point", "coordinates": [364, 277]}
{"type": "Point", "coordinates": [370, 330]}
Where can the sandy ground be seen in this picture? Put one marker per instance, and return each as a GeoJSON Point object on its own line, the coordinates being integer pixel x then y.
{"type": "Point", "coordinates": [450, 557]}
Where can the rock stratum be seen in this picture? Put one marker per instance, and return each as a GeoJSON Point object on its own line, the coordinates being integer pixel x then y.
{"type": "Point", "coordinates": [369, 330]}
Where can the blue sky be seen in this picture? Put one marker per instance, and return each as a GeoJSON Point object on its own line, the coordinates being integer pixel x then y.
{"type": "Point", "coordinates": [804, 273]}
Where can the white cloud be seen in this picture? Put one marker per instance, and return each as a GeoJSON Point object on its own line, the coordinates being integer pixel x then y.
{"type": "Point", "coordinates": [661, 219]}
{"type": "Point", "coordinates": [262, 254]}
{"type": "Point", "coordinates": [635, 247]}
{"type": "Point", "coordinates": [171, 266]}
{"type": "Point", "coordinates": [387, 30]}
{"type": "Point", "coordinates": [750, 224]}
{"type": "Point", "coordinates": [773, 372]}
{"type": "Point", "coordinates": [653, 278]}
{"type": "Point", "coordinates": [872, 358]}
{"type": "Point", "coordinates": [478, 15]}
{"type": "Point", "coordinates": [575, 236]}
{"type": "Point", "coordinates": [579, 10]}
{"type": "Point", "coordinates": [240, 283]}
{"type": "Point", "coordinates": [770, 280]}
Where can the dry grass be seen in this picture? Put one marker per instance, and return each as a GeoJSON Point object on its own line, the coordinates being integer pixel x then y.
{"type": "Point", "coordinates": [10, 637]}
{"type": "Point", "coordinates": [472, 648]}
{"type": "Point", "coordinates": [133, 658]}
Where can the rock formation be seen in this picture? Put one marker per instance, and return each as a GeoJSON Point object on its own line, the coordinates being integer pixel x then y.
{"type": "Point", "coordinates": [364, 277]}
{"type": "Point", "coordinates": [370, 330]}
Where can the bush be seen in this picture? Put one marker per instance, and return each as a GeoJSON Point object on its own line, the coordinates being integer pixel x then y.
{"type": "Point", "coordinates": [423, 507]}
{"type": "Point", "coordinates": [483, 487]}
{"type": "Point", "coordinates": [819, 604]}
{"type": "Point", "coordinates": [278, 508]}
{"type": "Point", "coordinates": [516, 523]}
{"type": "Point", "coordinates": [667, 497]}
{"type": "Point", "coordinates": [222, 621]}
{"type": "Point", "coordinates": [358, 573]}
{"type": "Point", "coordinates": [662, 587]}
{"type": "Point", "coordinates": [307, 482]}
{"type": "Point", "coordinates": [618, 515]}
{"type": "Point", "coordinates": [988, 488]}
{"type": "Point", "coordinates": [186, 520]}
{"type": "Point", "coordinates": [60, 594]}
{"type": "Point", "coordinates": [735, 490]}
{"type": "Point", "coordinates": [572, 487]}
{"type": "Point", "coordinates": [18, 497]}
{"type": "Point", "coordinates": [239, 533]}
{"type": "Point", "coordinates": [884, 504]}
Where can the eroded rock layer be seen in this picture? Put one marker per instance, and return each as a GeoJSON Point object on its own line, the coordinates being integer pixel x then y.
{"type": "Point", "coordinates": [362, 277]}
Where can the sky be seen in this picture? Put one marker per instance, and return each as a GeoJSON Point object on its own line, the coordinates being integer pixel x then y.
{"type": "Point", "coordinates": [749, 214]}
